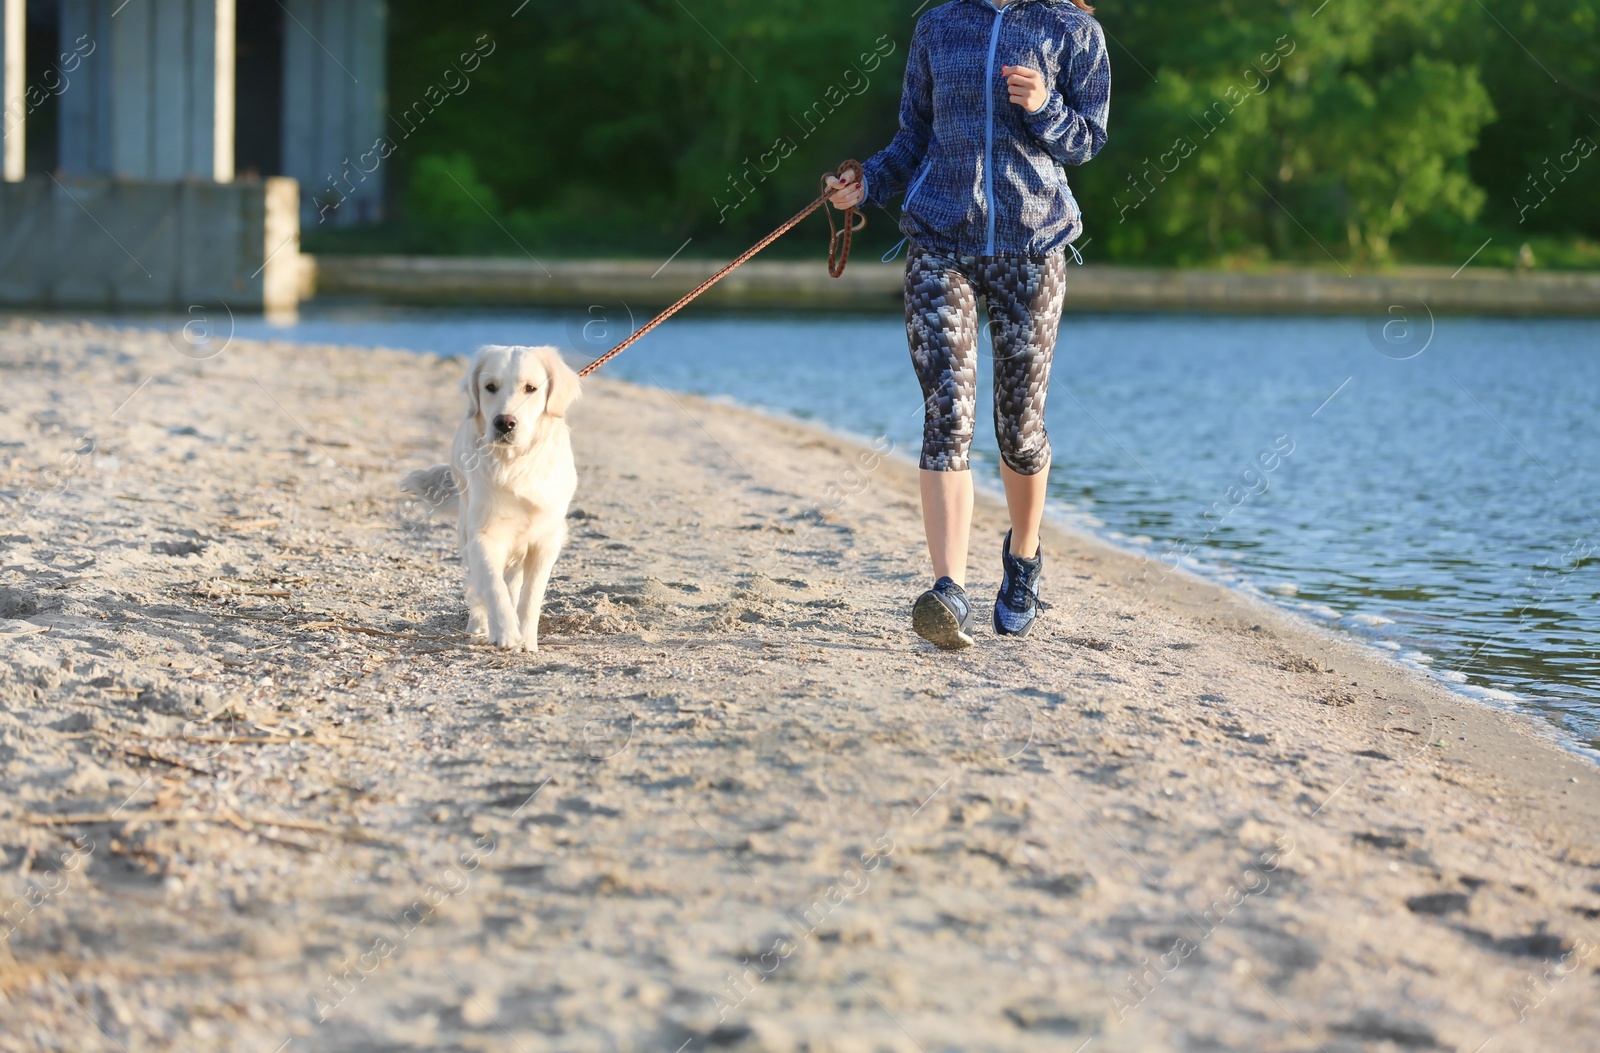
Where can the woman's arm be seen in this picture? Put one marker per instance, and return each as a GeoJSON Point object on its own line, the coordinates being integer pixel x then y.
{"type": "Point", "coordinates": [889, 171]}
{"type": "Point", "coordinates": [1071, 125]}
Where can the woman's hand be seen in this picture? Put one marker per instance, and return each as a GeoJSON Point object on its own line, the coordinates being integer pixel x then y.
{"type": "Point", "coordinates": [843, 195]}
{"type": "Point", "coordinates": [1027, 87]}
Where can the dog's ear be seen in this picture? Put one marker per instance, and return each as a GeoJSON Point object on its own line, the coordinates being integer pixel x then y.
{"type": "Point", "coordinates": [565, 387]}
{"type": "Point", "coordinates": [470, 383]}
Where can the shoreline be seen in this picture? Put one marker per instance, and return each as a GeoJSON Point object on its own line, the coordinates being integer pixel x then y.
{"type": "Point", "coordinates": [1068, 521]}
{"type": "Point", "coordinates": [244, 732]}
{"type": "Point", "coordinates": [1339, 627]}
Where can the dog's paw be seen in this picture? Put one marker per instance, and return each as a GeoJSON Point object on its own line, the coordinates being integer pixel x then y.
{"type": "Point", "coordinates": [530, 637]}
{"type": "Point", "coordinates": [508, 640]}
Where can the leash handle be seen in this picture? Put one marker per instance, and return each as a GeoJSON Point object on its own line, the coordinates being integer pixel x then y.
{"type": "Point", "coordinates": [839, 239]}
{"type": "Point", "coordinates": [838, 256]}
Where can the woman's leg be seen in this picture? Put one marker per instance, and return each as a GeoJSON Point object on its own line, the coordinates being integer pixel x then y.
{"type": "Point", "coordinates": [947, 521]}
{"type": "Point", "coordinates": [942, 330]}
{"type": "Point", "coordinates": [1025, 496]}
{"type": "Point", "coordinates": [1024, 297]}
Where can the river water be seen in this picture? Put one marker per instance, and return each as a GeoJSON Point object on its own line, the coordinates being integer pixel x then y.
{"type": "Point", "coordinates": [1428, 485]}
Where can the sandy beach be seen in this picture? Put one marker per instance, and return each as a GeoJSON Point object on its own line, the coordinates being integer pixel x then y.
{"type": "Point", "coordinates": [259, 792]}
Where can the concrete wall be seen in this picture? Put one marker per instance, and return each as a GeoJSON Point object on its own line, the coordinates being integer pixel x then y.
{"type": "Point", "coordinates": [334, 94]}
{"type": "Point", "coordinates": [113, 244]}
{"type": "Point", "coordinates": [878, 286]}
{"type": "Point", "coordinates": [1474, 291]}
{"type": "Point", "coordinates": [155, 101]}
{"type": "Point", "coordinates": [13, 85]}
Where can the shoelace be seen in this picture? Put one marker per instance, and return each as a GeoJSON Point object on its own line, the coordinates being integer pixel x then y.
{"type": "Point", "coordinates": [1015, 585]}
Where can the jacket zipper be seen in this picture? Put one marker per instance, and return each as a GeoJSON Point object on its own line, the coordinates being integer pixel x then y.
{"type": "Point", "coordinates": [988, 133]}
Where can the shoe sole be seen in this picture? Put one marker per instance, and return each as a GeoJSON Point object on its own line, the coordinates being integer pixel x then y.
{"type": "Point", "coordinates": [935, 623]}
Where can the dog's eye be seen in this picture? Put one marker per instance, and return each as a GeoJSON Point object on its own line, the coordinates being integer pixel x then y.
{"type": "Point", "coordinates": [491, 387]}
{"type": "Point", "coordinates": [529, 389]}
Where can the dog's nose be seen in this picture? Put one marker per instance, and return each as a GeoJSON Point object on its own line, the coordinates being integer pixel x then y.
{"type": "Point", "coordinates": [504, 424]}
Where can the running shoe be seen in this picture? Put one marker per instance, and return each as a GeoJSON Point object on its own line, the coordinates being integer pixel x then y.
{"type": "Point", "coordinates": [1017, 606]}
{"type": "Point", "coordinates": [943, 616]}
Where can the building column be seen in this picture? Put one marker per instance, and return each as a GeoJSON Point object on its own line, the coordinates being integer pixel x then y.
{"type": "Point", "coordinates": [13, 88]}
{"type": "Point", "coordinates": [224, 46]}
{"type": "Point", "coordinates": [154, 100]}
{"type": "Point", "coordinates": [334, 96]}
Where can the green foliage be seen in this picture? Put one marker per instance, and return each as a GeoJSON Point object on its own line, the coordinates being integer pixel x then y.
{"type": "Point", "coordinates": [447, 191]}
{"type": "Point", "coordinates": [1304, 136]}
{"type": "Point", "coordinates": [629, 126]}
{"type": "Point", "coordinates": [1242, 131]}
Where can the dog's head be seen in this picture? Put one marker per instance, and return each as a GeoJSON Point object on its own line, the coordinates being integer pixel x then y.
{"type": "Point", "coordinates": [512, 391]}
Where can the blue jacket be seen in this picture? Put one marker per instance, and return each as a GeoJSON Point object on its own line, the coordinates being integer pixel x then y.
{"type": "Point", "coordinates": [981, 176]}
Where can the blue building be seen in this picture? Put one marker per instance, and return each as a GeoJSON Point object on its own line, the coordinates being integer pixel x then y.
{"type": "Point", "coordinates": [173, 122]}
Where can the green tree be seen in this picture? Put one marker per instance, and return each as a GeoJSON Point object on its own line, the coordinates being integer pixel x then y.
{"type": "Point", "coordinates": [642, 123]}
{"type": "Point", "coordinates": [1541, 65]}
{"type": "Point", "coordinates": [1297, 132]}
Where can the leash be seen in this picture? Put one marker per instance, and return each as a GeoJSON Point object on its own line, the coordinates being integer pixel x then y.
{"type": "Point", "coordinates": [838, 256]}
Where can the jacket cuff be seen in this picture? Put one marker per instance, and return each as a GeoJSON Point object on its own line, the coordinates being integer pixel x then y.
{"type": "Point", "coordinates": [866, 183]}
{"type": "Point", "coordinates": [1048, 114]}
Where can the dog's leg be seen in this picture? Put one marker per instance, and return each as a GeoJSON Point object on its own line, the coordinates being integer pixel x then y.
{"type": "Point", "coordinates": [536, 567]}
{"type": "Point", "coordinates": [477, 608]}
{"type": "Point", "coordinates": [486, 565]}
{"type": "Point", "coordinates": [477, 611]}
{"type": "Point", "coordinates": [516, 580]}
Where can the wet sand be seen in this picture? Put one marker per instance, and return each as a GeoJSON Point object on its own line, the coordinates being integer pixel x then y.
{"type": "Point", "coordinates": [259, 792]}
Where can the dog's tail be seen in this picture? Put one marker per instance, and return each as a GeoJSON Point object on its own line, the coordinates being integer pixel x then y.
{"type": "Point", "coordinates": [436, 487]}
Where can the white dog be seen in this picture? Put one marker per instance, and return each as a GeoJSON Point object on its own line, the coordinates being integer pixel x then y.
{"type": "Point", "coordinates": [510, 479]}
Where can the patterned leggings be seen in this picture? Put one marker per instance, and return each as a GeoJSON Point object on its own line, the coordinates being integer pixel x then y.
{"type": "Point", "coordinates": [1023, 296]}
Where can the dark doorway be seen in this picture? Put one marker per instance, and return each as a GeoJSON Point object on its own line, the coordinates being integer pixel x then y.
{"type": "Point", "coordinates": [258, 90]}
{"type": "Point", "coordinates": [46, 81]}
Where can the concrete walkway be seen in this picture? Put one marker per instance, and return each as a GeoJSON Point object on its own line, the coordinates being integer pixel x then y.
{"type": "Point", "coordinates": [868, 284]}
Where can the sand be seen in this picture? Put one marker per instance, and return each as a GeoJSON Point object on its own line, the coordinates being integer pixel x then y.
{"type": "Point", "coordinates": [258, 792]}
